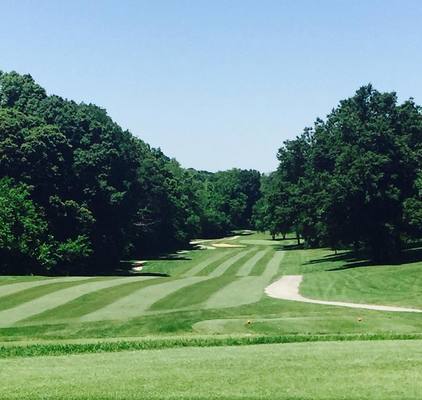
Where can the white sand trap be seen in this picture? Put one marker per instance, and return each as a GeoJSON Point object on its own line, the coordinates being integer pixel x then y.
{"type": "Point", "coordinates": [287, 288]}
{"type": "Point", "coordinates": [199, 241]}
{"type": "Point", "coordinates": [52, 300]}
{"type": "Point", "coordinates": [205, 247]}
{"type": "Point", "coordinates": [231, 238]}
{"type": "Point", "coordinates": [227, 245]}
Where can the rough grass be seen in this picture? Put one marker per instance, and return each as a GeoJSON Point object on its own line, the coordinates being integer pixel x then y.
{"type": "Point", "coordinates": [12, 350]}
{"type": "Point", "coordinates": [376, 370]}
{"type": "Point", "coordinates": [386, 285]}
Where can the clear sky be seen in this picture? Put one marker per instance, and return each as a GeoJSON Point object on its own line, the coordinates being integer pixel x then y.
{"type": "Point", "coordinates": [216, 84]}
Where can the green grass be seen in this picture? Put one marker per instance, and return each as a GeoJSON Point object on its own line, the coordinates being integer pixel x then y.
{"type": "Point", "coordinates": [248, 255]}
{"type": "Point", "coordinates": [390, 285]}
{"type": "Point", "coordinates": [259, 268]}
{"type": "Point", "coordinates": [231, 257]}
{"type": "Point", "coordinates": [92, 301]}
{"type": "Point", "coordinates": [28, 295]}
{"type": "Point", "coordinates": [380, 370]}
{"type": "Point", "coordinates": [114, 345]}
{"type": "Point", "coordinates": [182, 305]}
{"type": "Point", "coordinates": [5, 280]}
{"type": "Point", "coordinates": [194, 294]}
{"type": "Point", "coordinates": [211, 332]}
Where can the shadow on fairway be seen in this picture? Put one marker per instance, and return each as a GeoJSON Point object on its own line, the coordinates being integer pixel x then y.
{"type": "Point", "coordinates": [288, 247]}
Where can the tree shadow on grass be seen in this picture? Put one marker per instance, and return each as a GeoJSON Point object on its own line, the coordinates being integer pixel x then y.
{"type": "Point", "coordinates": [360, 260]}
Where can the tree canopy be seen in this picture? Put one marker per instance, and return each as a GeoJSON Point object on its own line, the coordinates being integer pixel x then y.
{"type": "Point", "coordinates": [353, 179]}
{"type": "Point", "coordinates": [82, 193]}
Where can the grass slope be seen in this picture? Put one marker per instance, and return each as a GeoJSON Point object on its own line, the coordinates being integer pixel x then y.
{"type": "Point", "coordinates": [341, 370]}
{"type": "Point", "coordinates": [94, 301]}
{"type": "Point", "coordinates": [205, 294]}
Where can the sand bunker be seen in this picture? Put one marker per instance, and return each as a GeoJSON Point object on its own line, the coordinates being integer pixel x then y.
{"type": "Point", "coordinates": [138, 265]}
{"type": "Point", "coordinates": [287, 288]}
{"type": "Point", "coordinates": [226, 245]}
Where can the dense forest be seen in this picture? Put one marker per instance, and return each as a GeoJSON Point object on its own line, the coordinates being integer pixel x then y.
{"type": "Point", "coordinates": [353, 180]}
{"type": "Point", "coordinates": [78, 193]}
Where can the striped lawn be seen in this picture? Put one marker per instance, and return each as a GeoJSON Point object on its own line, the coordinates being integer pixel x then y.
{"type": "Point", "coordinates": [246, 269]}
{"type": "Point", "coordinates": [140, 301]}
{"type": "Point", "coordinates": [239, 264]}
{"type": "Point", "coordinates": [197, 269]}
{"type": "Point", "coordinates": [229, 278]}
{"type": "Point", "coordinates": [260, 267]}
{"type": "Point", "coordinates": [193, 295]}
{"type": "Point", "coordinates": [10, 288]}
{"type": "Point", "coordinates": [246, 290]}
{"type": "Point", "coordinates": [223, 267]}
{"type": "Point", "coordinates": [228, 254]}
{"type": "Point", "coordinates": [13, 315]}
{"type": "Point", "coordinates": [28, 295]}
{"type": "Point", "coordinates": [9, 279]}
{"type": "Point", "coordinates": [96, 300]}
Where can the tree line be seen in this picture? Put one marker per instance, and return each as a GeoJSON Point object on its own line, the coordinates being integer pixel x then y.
{"type": "Point", "coordinates": [78, 193]}
{"type": "Point", "coordinates": [353, 180]}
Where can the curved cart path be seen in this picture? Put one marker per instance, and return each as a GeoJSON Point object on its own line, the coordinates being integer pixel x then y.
{"type": "Point", "coordinates": [287, 288]}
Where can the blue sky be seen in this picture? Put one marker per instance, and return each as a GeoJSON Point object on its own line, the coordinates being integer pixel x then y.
{"type": "Point", "coordinates": [216, 84]}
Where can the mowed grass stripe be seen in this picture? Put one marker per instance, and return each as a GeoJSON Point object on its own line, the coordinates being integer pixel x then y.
{"type": "Point", "coordinates": [13, 287]}
{"type": "Point", "coordinates": [273, 265]}
{"type": "Point", "coordinates": [12, 315]}
{"type": "Point", "coordinates": [246, 269]}
{"type": "Point", "coordinates": [139, 302]}
{"type": "Point", "coordinates": [204, 264]}
{"type": "Point", "coordinates": [24, 296]}
{"type": "Point", "coordinates": [93, 301]}
{"type": "Point", "coordinates": [223, 267]}
{"type": "Point", "coordinates": [261, 266]}
{"type": "Point", "coordinates": [234, 268]}
{"type": "Point", "coordinates": [192, 295]}
{"type": "Point", "coordinates": [228, 253]}
{"type": "Point", "coordinates": [10, 279]}
{"type": "Point", "coordinates": [246, 290]}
